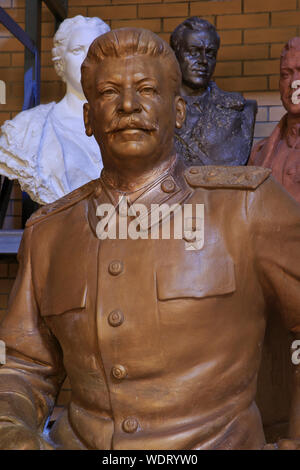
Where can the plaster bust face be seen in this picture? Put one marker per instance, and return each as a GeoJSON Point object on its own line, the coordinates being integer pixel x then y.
{"type": "Point", "coordinates": [132, 111]}
{"type": "Point", "coordinates": [197, 58]}
{"type": "Point", "coordinates": [75, 53]}
{"type": "Point", "coordinates": [289, 72]}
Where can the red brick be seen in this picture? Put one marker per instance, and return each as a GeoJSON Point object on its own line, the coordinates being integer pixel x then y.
{"type": "Point", "coordinates": [216, 7]}
{"type": "Point", "coordinates": [163, 11]}
{"type": "Point", "coordinates": [3, 116]}
{"type": "Point", "coordinates": [274, 82]}
{"type": "Point", "coordinates": [228, 69]}
{"type": "Point", "coordinates": [114, 12]}
{"type": "Point", "coordinates": [169, 24]}
{"type": "Point", "coordinates": [119, 2]}
{"type": "Point", "coordinates": [78, 11]}
{"type": "Point", "coordinates": [18, 3]}
{"type": "Point", "coordinates": [286, 18]}
{"type": "Point", "coordinates": [152, 24]}
{"type": "Point", "coordinates": [165, 37]}
{"type": "Point", "coordinates": [46, 59]}
{"type": "Point", "coordinates": [17, 14]}
{"type": "Point", "coordinates": [3, 301]}
{"type": "Point", "coordinates": [10, 44]}
{"type": "Point", "coordinates": [5, 59]}
{"type": "Point", "coordinates": [243, 52]}
{"type": "Point", "coordinates": [11, 75]}
{"type": "Point", "coordinates": [256, 36]}
{"type": "Point", "coordinates": [3, 269]}
{"type": "Point", "coordinates": [261, 67]}
{"type": "Point", "coordinates": [5, 286]}
{"type": "Point", "coordinates": [231, 37]}
{"type": "Point", "coordinates": [269, 5]}
{"type": "Point", "coordinates": [13, 269]}
{"type": "Point", "coordinates": [276, 50]}
{"type": "Point", "coordinates": [48, 29]}
{"type": "Point", "coordinates": [242, 21]}
{"type": "Point", "coordinates": [242, 83]}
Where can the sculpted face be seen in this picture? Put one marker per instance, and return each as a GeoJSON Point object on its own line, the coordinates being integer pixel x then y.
{"type": "Point", "coordinates": [75, 53]}
{"type": "Point", "coordinates": [132, 111]}
{"type": "Point", "coordinates": [197, 58]}
{"type": "Point", "coordinates": [289, 73]}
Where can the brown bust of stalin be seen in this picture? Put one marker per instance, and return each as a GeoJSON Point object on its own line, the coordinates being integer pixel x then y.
{"type": "Point", "coordinates": [160, 337]}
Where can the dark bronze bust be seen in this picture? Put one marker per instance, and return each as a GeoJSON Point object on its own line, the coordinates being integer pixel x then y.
{"type": "Point", "coordinates": [219, 125]}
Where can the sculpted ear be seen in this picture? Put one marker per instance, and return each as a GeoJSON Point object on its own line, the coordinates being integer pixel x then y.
{"type": "Point", "coordinates": [180, 111]}
{"type": "Point", "coordinates": [87, 120]}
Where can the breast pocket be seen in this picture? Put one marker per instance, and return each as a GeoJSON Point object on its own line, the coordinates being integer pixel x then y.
{"type": "Point", "coordinates": [193, 274]}
{"type": "Point", "coordinates": [61, 298]}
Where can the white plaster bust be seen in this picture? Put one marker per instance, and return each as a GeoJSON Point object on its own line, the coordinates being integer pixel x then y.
{"type": "Point", "coordinates": [45, 148]}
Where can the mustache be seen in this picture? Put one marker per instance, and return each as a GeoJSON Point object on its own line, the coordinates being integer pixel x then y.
{"type": "Point", "coordinates": [121, 123]}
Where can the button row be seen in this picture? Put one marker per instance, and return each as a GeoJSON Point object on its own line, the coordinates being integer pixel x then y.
{"type": "Point", "coordinates": [130, 425]}
{"type": "Point", "coordinates": [115, 318]}
{"type": "Point", "coordinates": [115, 267]}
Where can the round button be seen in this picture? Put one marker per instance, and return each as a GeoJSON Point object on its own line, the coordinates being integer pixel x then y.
{"type": "Point", "coordinates": [194, 170]}
{"type": "Point", "coordinates": [168, 186]}
{"type": "Point", "coordinates": [115, 318]}
{"type": "Point", "coordinates": [119, 372]}
{"type": "Point", "coordinates": [115, 267]}
{"type": "Point", "coordinates": [130, 425]}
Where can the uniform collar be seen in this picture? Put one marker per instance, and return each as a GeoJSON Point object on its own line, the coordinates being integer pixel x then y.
{"type": "Point", "coordinates": [169, 188]}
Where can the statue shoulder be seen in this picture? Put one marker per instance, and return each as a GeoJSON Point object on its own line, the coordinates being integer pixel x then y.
{"type": "Point", "coordinates": [63, 203]}
{"type": "Point", "coordinates": [231, 177]}
{"type": "Point", "coordinates": [27, 123]}
{"type": "Point", "coordinates": [227, 99]}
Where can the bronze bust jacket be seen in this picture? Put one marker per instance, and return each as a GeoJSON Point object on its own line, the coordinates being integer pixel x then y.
{"type": "Point", "coordinates": [218, 129]}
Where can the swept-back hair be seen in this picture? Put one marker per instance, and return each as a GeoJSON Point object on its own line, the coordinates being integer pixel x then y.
{"type": "Point", "coordinates": [126, 42]}
{"type": "Point", "coordinates": [194, 23]}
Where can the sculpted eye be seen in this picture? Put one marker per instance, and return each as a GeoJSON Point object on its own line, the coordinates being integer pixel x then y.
{"type": "Point", "coordinates": [108, 92]}
{"type": "Point", "coordinates": [77, 50]}
{"type": "Point", "coordinates": [147, 90]}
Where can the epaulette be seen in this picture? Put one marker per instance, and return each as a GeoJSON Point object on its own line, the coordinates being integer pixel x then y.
{"type": "Point", "coordinates": [64, 202]}
{"type": "Point", "coordinates": [239, 177]}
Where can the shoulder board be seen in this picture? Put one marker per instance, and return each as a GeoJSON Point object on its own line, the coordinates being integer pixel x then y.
{"type": "Point", "coordinates": [63, 203]}
{"type": "Point", "coordinates": [232, 177]}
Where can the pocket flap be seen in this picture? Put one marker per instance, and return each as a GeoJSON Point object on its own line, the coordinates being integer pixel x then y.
{"type": "Point", "coordinates": [63, 298]}
{"type": "Point", "coordinates": [198, 274]}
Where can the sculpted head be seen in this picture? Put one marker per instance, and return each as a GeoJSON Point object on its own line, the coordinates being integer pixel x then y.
{"type": "Point", "coordinates": [290, 76]}
{"type": "Point", "coordinates": [131, 80]}
{"type": "Point", "coordinates": [71, 43]}
{"type": "Point", "coordinates": [196, 43]}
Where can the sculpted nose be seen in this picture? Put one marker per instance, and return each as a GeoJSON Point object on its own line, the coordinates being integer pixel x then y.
{"type": "Point", "coordinates": [202, 59]}
{"type": "Point", "coordinates": [129, 102]}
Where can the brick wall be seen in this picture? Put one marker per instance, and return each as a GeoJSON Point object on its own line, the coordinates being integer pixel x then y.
{"type": "Point", "coordinates": [252, 32]}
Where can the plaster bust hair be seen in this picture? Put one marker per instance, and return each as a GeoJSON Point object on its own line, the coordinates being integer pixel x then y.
{"type": "Point", "coordinates": [194, 23]}
{"type": "Point", "coordinates": [293, 43]}
{"type": "Point", "coordinates": [62, 36]}
{"type": "Point", "coordinates": [130, 41]}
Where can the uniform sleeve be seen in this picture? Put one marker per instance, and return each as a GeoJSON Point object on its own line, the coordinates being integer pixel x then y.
{"type": "Point", "coordinates": [275, 241]}
{"type": "Point", "coordinates": [32, 375]}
